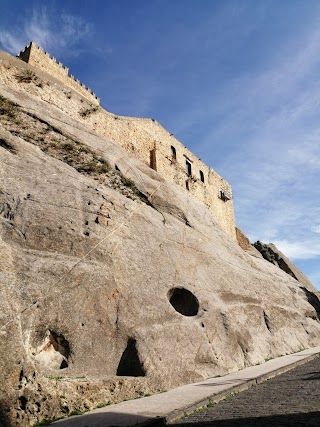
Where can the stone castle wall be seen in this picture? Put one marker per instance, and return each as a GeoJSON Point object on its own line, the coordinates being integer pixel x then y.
{"type": "Point", "coordinates": [35, 56]}
{"type": "Point", "coordinates": [147, 140]}
{"type": "Point", "coordinates": [243, 240]}
{"type": "Point", "coordinates": [203, 182]}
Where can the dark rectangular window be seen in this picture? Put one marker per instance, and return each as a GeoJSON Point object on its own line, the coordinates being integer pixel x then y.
{"type": "Point", "coordinates": [201, 176]}
{"type": "Point", "coordinates": [188, 168]}
{"type": "Point", "coordinates": [173, 153]}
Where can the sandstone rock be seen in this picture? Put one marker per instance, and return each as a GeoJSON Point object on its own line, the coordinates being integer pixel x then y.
{"type": "Point", "coordinates": [155, 295]}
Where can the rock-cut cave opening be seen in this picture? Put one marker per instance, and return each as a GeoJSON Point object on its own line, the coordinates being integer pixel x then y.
{"type": "Point", "coordinates": [130, 364]}
{"type": "Point", "coordinates": [54, 351]}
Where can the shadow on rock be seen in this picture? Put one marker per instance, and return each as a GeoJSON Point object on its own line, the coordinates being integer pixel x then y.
{"type": "Point", "coordinates": [4, 419]}
{"type": "Point", "coordinates": [313, 300]}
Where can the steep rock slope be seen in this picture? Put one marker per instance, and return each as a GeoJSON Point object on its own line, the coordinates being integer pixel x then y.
{"type": "Point", "coordinates": [271, 253]}
{"type": "Point", "coordinates": [116, 283]}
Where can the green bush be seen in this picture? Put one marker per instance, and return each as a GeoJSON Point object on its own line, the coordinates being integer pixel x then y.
{"type": "Point", "coordinates": [26, 76]}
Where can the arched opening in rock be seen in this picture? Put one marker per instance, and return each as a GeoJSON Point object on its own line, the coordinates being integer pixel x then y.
{"type": "Point", "coordinates": [55, 351]}
{"type": "Point", "coordinates": [60, 344]}
{"type": "Point", "coordinates": [183, 301]}
{"type": "Point", "coordinates": [130, 364]}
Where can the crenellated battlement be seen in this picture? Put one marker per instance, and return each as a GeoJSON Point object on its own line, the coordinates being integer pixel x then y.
{"type": "Point", "coordinates": [36, 56]}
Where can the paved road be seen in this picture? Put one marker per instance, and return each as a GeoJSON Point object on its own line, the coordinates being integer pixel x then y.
{"type": "Point", "coordinates": [291, 399]}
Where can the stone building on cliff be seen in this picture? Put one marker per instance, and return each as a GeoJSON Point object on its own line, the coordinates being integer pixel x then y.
{"type": "Point", "coordinates": [115, 279]}
{"type": "Point", "coordinates": [148, 140]}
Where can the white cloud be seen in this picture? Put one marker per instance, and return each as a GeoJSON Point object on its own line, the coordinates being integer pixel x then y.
{"type": "Point", "coordinates": [299, 250]}
{"type": "Point", "coordinates": [316, 228]}
{"type": "Point", "coordinates": [10, 42]}
{"type": "Point", "coordinates": [268, 147]}
{"type": "Point", "coordinates": [53, 32]}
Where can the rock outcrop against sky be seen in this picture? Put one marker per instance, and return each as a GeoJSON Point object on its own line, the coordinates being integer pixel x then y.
{"type": "Point", "coordinates": [272, 254]}
{"type": "Point", "coordinates": [114, 282]}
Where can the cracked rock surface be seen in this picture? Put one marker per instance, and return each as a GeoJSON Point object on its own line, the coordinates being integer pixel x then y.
{"type": "Point", "coordinates": [116, 283]}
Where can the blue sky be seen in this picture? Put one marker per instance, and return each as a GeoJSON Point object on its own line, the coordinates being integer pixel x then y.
{"type": "Point", "coordinates": [238, 82]}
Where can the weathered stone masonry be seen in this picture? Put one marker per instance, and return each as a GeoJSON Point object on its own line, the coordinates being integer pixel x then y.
{"type": "Point", "coordinates": [37, 57]}
{"type": "Point", "coordinates": [147, 140]}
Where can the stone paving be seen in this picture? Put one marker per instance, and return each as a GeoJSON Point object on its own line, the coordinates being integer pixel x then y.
{"type": "Point", "coordinates": [291, 399]}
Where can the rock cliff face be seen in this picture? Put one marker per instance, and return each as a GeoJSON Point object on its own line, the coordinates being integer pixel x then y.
{"type": "Point", "coordinates": [116, 283]}
{"type": "Point", "coordinates": [271, 253]}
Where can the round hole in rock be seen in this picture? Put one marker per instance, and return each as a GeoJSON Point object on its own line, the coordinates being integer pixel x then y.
{"type": "Point", "coordinates": [183, 301]}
